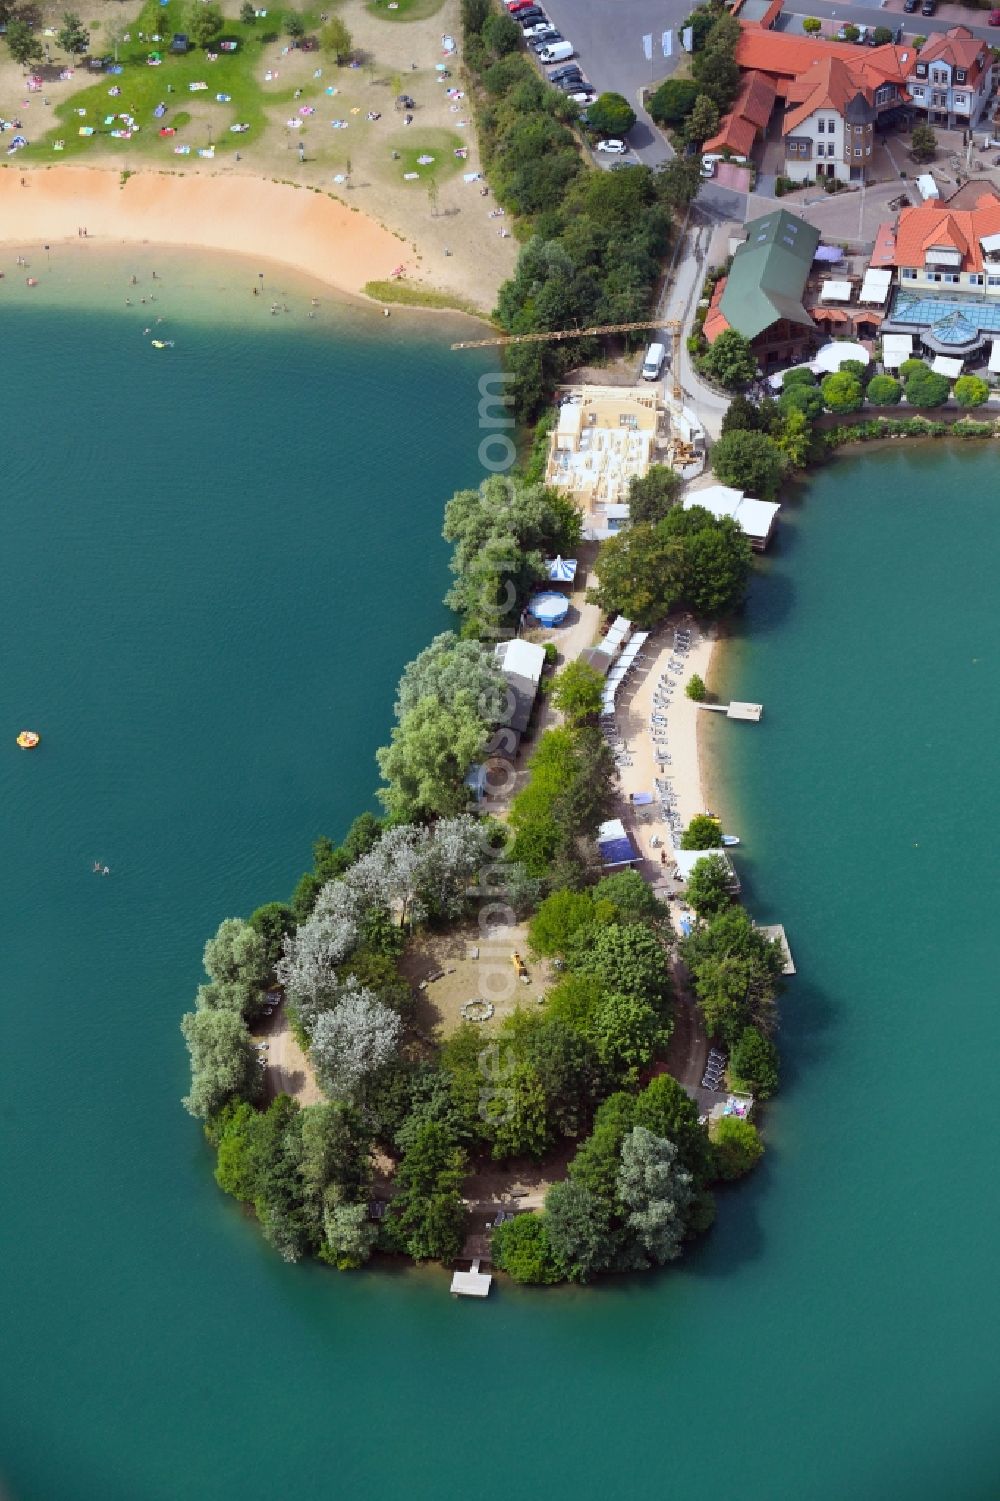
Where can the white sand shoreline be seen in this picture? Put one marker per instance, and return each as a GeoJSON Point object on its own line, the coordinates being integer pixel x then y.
{"type": "Point", "coordinates": [308, 231]}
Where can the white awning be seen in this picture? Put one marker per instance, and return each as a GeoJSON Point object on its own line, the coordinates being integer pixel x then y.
{"type": "Point", "coordinates": [875, 287]}
{"type": "Point", "coordinates": [895, 349]}
{"type": "Point", "coordinates": [990, 244]}
{"type": "Point", "coordinates": [944, 366]}
{"type": "Point", "coordinates": [835, 291]}
{"type": "Point", "coordinates": [939, 256]}
{"type": "Point", "coordinates": [994, 365]}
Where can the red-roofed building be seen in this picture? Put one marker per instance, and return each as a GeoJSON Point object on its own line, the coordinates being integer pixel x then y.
{"type": "Point", "coordinates": [951, 79]}
{"type": "Point", "coordinates": [938, 248]}
{"type": "Point", "coordinates": [749, 116]}
{"type": "Point", "coordinates": [834, 93]}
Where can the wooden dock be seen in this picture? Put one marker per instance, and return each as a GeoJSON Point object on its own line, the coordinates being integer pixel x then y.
{"type": "Point", "coordinates": [471, 1284]}
{"type": "Point", "coordinates": [775, 930]}
{"type": "Point", "coordinates": [736, 710]}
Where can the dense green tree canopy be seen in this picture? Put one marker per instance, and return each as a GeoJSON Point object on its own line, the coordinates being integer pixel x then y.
{"type": "Point", "coordinates": [651, 495]}
{"type": "Point", "coordinates": [754, 1063]}
{"type": "Point", "coordinates": [703, 120]}
{"type": "Point", "coordinates": [749, 461]}
{"type": "Point", "coordinates": [883, 391]}
{"type": "Point", "coordinates": [730, 360]}
{"type": "Point", "coordinates": [703, 833]}
{"type": "Point", "coordinates": [841, 392]}
{"type": "Point", "coordinates": [611, 115]}
{"type": "Point", "coordinates": [426, 764]}
{"type": "Point", "coordinates": [673, 101]}
{"type": "Point", "coordinates": [738, 1147]}
{"type": "Point", "coordinates": [578, 691]}
{"type": "Point", "coordinates": [709, 887]}
{"type": "Point", "coordinates": [690, 558]}
{"type": "Point", "coordinates": [520, 1247]}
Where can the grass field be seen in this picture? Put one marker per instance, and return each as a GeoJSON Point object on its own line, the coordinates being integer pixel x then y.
{"type": "Point", "coordinates": [403, 10]}
{"type": "Point", "coordinates": [440, 144]}
{"type": "Point", "coordinates": [200, 119]}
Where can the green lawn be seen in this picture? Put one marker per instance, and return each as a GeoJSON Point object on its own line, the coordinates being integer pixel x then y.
{"type": "Point", "coordinates": [403, 10]}
{"type": "Point", "coordinates": [198, 117]}
{"type": "Point", "coordinates": [440, 144]}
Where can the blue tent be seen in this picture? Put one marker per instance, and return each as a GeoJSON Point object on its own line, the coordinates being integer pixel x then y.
{"type": "Point", "coordinates": [561, 570]}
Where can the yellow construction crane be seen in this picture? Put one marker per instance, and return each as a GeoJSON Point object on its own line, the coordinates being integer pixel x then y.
{"type": "Point", "coordinates": [585, 333]}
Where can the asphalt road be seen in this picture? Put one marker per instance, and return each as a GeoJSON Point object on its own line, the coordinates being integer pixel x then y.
{"type": "Point", "coordinates": [869, 15]}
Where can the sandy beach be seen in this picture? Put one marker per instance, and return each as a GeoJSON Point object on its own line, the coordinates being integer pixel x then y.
{"type": "Point", "coordinates": [306, 230]}
{"type": "Point", "coordinates": [638, 764]}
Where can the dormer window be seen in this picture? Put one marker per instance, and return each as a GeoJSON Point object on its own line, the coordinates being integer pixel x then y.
{"type": "Point", "coordinates": [921, 70]}
{"type": "Point", "coordinates": [960, 75]}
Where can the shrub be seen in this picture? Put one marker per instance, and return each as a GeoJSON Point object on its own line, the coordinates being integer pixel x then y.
{"type": "Point", "coordinates": [749, 461]}
{"type": "Point", "coordinates": [800, 376]}
{"type": "Point", "coordinates": [923, 143]}
{"type": "Point", "coordinates": [884, 391]}
{"type": "Point", "coordinates": [812, 24]}
{"type": "Point", "coordinates": [925, 389]}
{"type": "Point", "coordinates": [610, 114]}
{"type": "Point", "coordinates": [731, 361]}
{"type": "Point", "coordinates": [841, 392]}
{"type": "Point", "coordinates": [520, 1247]}
{"type": "Point", "coordinates": [738, 1147]}
{"type": "Point", "coordinates": [753, 1063]}
{"type": "Point", "coordinates": [971, 391]}
{"type": "Point", "coordinates": [696, 689]}
{"type": "Point", "coordinates": [673, 101]}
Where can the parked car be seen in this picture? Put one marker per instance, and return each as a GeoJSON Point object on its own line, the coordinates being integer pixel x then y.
{"type": "Point", "coordinates": [545, 38]}
{"type": "Point", "coordinates": [571, 85]}
{"type": "Point", "coordinates": [533, 16]}
{"type": "Point", "coordinates": [569, 70]}
{"type": "Point", "coordinates": [584, 96]}
{"type": "Point", "coordinates": [612, 147]}
{"type": "Point", "coordinates": [539, 29]}
{"type": "Point", "coordinates": [994, 18]}
{"type": "Point", "coordinates": [910, 6]}
{"type": "Point", "coordinates": [928, 8]}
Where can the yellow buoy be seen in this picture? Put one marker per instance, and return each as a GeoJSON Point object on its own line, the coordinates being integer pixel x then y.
{"type": "Point", "coordinates": [28, 739]}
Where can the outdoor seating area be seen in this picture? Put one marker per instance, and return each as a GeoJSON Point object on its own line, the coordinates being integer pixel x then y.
{"type": "Point", "coordinates": [631, 653]}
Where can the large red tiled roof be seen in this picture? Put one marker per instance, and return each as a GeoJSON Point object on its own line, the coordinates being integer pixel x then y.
{"type": "Point", "coordinates": [785, 57]}
{"type": "Point", "coordinates": [735, 134]}
{"type": "Point", "coordinates": [750, 113]}
{"type": "Point", "coordinates": [715, 321]}
{"type": "Point", "coordinates": [957, 46]}
{"type": "Point", "coordinates": [826, 84]}
{"type": "Point", "coordinates": [930, 225]}
{"type": "Point", "coordinates": [884, 253]}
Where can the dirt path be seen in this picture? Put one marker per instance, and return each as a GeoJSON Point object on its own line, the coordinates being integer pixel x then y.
{"type": "Point", "coordinates": [288, 1070]}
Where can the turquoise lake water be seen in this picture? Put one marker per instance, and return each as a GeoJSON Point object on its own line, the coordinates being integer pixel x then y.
{"type": "Point", "coordinates": [214, 565]}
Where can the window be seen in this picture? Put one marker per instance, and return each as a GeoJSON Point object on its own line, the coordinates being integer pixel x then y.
{"type": "Point", "coordinates": [921, 70]}
{"type": "Point", "coordinates": [952, 277]}
{"type": "Point", "coordinates": [883, 95]}
{"type": "Point", "coordinates": [993, 281]}
{"type": "Point", "coordinates": [910, 275]}
{"type": "Point", "coordinates": [857, 151]}
{"type": "Point", "coordinates": [960, 75]}
{"type": "Point", "coordinates": [821, 126]}
{"type": "Point", "coordinates": [868, 151]}
{"type": "Point", "coordinates": [975, 280]}
{"type": "Point", "coordinates": [917, 91]}
{"type": "Point", "coordinates": [858, 129]}
{"type": "Point", "coordinates": [933, 275]}
{"type": "Point", "coordinates": [961, 102]}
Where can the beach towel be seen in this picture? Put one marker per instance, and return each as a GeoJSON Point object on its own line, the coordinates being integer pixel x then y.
{"type": "Point", "coordinates": [307, 109]}
{"type": "Point", "coordinates": [207, 151]}
{"type": "Point", "coordinates": [159, 111]}
{"type": "Point", "coordinates": [86, 130]}
{"type": "Point", "coordinates": [182, 151]}
{"type": "Point", "coordinates": [294, 124]}
{"type": "Point", "coordinates": [409, 176]}
{"type": "Point", "coordinates": [471, 176]}
{"type": "Point", "coordinates": [195, 87]}
{"type": "Point", "coordinates": [59, 146]}
{"type": "Point", "coordinates": [424, 161]}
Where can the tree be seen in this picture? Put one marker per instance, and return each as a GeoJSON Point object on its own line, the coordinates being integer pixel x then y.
{"type": "Point", "coordinates": [799, 375]}
{"type": "Point", "coordinates": [456, 674]}
{"type": "Point", "coordinates": [348, 1235]}
{"type": "Point", "coordinates": [224, 1066]}
{"type": "Point", "coordinates": [971, 391]}
{"type": "Point", "coordinates": [735, 969]}
{"type": "Point", "coordinates": [610, 115]}
{"type": "Point", "coordinates": [730, 360]}
{"type": "Point", "coordinates": [850, 33]}
{"type": "Point", "coordinates": [627, 958]}
{"type": "Point", "coordinates": [24, 48]}
{"type": "Point", "coordinates": [749, 461]}
{"type": "Point", "coordinates": [665, 1108]}
{"type": "Point", "coordinates": [703, 120]}
{"type": "Point", "coordinates": [923, 143]}
{"type": "Point", "coordinates": [811, 25]}
{"type": "Point", "coordinates": [716, 557]}
{"type": "Point", "coordinates": [743, 415]}
{"type": "Point", "coordinates": [718, 75]}
{"type": "Point", "coordinates": [738, 1147]}
{"type": "Point", "coordinates": [567, 1067]}
{"type": "Point", "coordinates": [883, 391]}
{"type": "Point", "coordinates": [579, 1230]}
{"type": "Point", "coordinates": [627, 1033]}
{"type": "Point", "coordinates": [639, 575]}
{"type": "Point", "coordinates": [335, 39]}
{"type": "Point", "coordinates": [695, 688]}
{"type": "Point", "coordinates": [673, 101]}
{"type": "Point", "coordinates": [427, 1214]}
{"type": "Point", "coordinates": [560, 916]}
{"type": "Point", "coordinates": [248, 13]}
{"type": "Point", "coordinates": [501, 34]}
{"type": "Point", "coordinates": [334, 1152]}
{"type": "Point", "coordinates": [656, 1193]}
{"type": "Point", "coordinates": [578, 692]}
{"type": "Point", "coordinates": [630, 896]}
{"type": "Point", "coordinates": [353, 1041]}
{"type": "Point", "coordinates": [754, 1063]}
{"type": "Point", "coordinates": [703, 833]}
{"type": "Point", "coordinates": [924, 388]}
{"type": "Point", "coordinates": [793, 437]}
{"type": "Point", "coordinates": [73, 37]}
{"type": "Point", "coordinates": [294, 25]}
{"type": "Point", "coordinates": [803, 397]}
{"type": "Point", "coordinates": [426, 764]}
{"type": "Point", "coordinates": [709, 886]}
{"type": "Point", "coordinates": [204, 23]}
{"type": "Point", "coordinates": [841, 392]}
{"type": "Point", "coordinates": [520, 1247]}
{"type": "Point", "coordinates": [651, 495]}
{"type": "Point", "coordinates": [516, 1114]}
{"type": "Point", "coordinates": [273, 922]}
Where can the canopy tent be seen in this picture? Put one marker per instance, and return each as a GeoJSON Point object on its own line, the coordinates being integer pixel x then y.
{"type": "Point", "coordinates": [835, 291]}
{"type": "Point", "coordinates": [994, 365]}
{"type": "Point", "coordinates": [895, 349]}
{"type": "Point", "coordinates": [944, 366]}
{"type": "Point", "coordinates": [829, 253]}
{"type": "Point", "coordinates": [875, 287]}
{"type": "Point", "coordinates": [549, 608]}
{"type": "Point", "coordinates": [832, 356]}
{"type": "Point", "coordinates": [614, 845]}
{"type": "Point", "coordinates": [561, 570]}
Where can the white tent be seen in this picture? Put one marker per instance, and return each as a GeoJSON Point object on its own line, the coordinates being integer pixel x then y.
{"type": "Point", "coordinates": [944, 366]}
{"type": "Point", "coordinates": [832, 356]}
{"type": "Point", "coordinates": [875, 287]}
{"type": "Point", "coordinates": [994, 365]}
{"type": "Point", "coordinates": [895, 349]}
{"type": "Point", "coordinates": [835, 291]}
{"type": "Point", "coordinates": [561, 570]}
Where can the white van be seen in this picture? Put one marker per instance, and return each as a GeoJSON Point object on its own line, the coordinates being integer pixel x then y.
{"type": "Point", "coordinates": [559, 52]}
{"type": "Point", "coordinates": [653, 363]}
